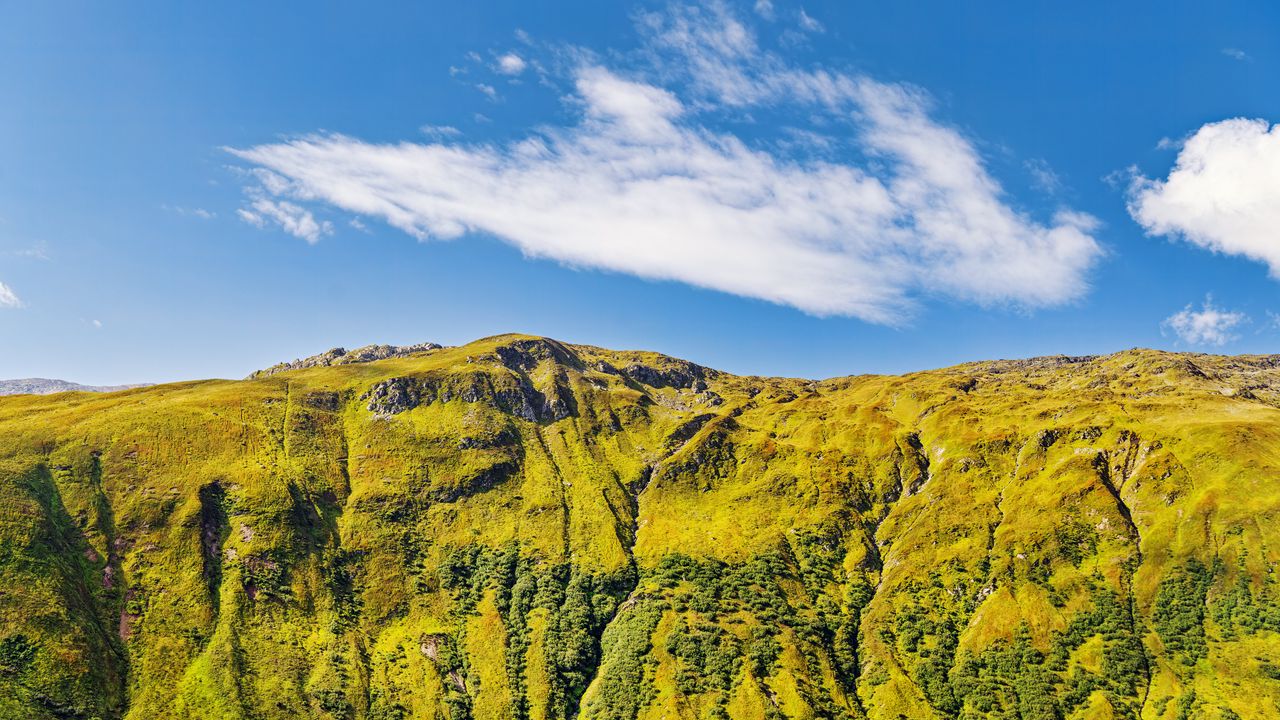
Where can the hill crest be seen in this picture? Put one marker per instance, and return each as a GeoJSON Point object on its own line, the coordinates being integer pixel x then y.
{"type": "Point", "coordinates": [524, 528]}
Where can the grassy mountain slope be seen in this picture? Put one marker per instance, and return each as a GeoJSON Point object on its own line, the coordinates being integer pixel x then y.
{"type": "Point", "coordinates": [519, 528]}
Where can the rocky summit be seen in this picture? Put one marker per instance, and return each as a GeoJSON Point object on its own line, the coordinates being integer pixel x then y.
{"type": "Point", "coordinates": [522, 528]}
{"type": "Point", "coordinates": [342, 356]}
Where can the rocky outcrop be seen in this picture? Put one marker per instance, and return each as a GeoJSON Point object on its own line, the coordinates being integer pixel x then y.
{"type": "Point", "coordinates": [342, 356]}
{"type": "Point", "coordinates": [673, 373]}
{"type": "Point", "coordinates": [525, 355]}
{"type": "Point", "coordinates": [513, 393]}
{"type": "Point", "coordinates": [394, 396]}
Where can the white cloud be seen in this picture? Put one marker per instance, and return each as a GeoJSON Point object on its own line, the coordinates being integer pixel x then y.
{"type": "Point", "coordinates": [38, 251]}
{"type": "Point", "coordinates": [192, 212]}
{"type": "Point", "coordinates": [642, 184]}
{"type": "Point", "coordinates": [1235, 53]}
{"type": "Point", "coordinates": [1223, 193]}
{"type": "Point", "coordinates": [8, 298]}
{"type": "Point", "coordinates": [440, 132]}
{"type": "Point", "coordinates": [764, 8]}
{"type": "Point", "coordinates": [97, 324]}
{"type": "Point", "coordinates": [1211, 325]}
{"type": "Point", "coordinates": [1043, 176]}
{"type": "Point", "coordinates": [510, 64]}
{"type": "Point", "coordinates": [808, 24]}
{"type": "Point", "coordinates": [487, 90]}
{"type": "Point", "coordinates": [291, 218]}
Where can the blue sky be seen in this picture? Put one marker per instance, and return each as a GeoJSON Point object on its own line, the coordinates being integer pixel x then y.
{"type": "Point", "coordinates": [808, 189]}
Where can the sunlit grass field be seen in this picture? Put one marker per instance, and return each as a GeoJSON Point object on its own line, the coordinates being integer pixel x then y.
{"type": "Point", "coordinates": [518, 528]}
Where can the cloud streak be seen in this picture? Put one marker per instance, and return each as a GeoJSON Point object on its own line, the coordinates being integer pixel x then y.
{"type": "Point", "coordinates": [293, 219]}
{"type": "Point", "coordinates": [642, 183]}
{"type": "Point", "coordinates": [808, 23]}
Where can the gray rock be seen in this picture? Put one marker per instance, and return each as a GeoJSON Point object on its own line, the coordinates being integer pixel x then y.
{"type": "Point", "coordinates": [45, 386]}
{"type": "Point", "coordinates": [341, 356]}
{"type": "Point", "coordinates": [674, 373]}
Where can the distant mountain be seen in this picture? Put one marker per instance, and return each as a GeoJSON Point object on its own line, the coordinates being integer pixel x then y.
{"type": "Point", "coordinates": [46, 386]}
{"type": "Point", "coordinates": [523, 529]}
{"type": "Point", "coordinates": [342, 356]}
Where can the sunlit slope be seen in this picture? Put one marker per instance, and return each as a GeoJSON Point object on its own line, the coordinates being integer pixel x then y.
{"type": "Point", "coordinates": [519, 528]}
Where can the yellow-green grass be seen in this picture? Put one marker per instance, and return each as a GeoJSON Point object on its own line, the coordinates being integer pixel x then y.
{"type": "Point", "coordinates": [526, 529]}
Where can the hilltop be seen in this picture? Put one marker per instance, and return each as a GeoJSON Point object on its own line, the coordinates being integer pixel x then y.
{"type": "Point", "coordinates": [524, 528]}
{"type": "Point", "coordinates": [342, 356]}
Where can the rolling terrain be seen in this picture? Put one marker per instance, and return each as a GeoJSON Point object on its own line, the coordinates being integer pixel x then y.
{"type": "Point", "coordinates": [522, 528]}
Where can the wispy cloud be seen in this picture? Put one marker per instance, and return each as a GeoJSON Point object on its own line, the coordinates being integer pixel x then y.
{"type": "Point", "coordinates": [8, 298]}
{"type": "Point", "coordinates": [1236, 54]}
{"type": "Point", "coordinates": [487, 90]}
{"type": "Point", "coordinates": [644, 183]}
{"type": "Point", "coordinates": [291, 218]}
{"type": "Point", "coordinates": [198, 212]}
{"type": "Point", "coordinates": [38, 251]}
{"type": "Point", "coordinates": [440, 132]}
{"type": "Point", "coordinates": [1043, 176]}
{"type": "Point", "coordinates": [1223, 193]}
{"type": "Point", "coordinates": [1210, 325]}
{"type": "Point", "coordinates": [808, 24]}
{"type": "Point", "coordinates": [764, 8]}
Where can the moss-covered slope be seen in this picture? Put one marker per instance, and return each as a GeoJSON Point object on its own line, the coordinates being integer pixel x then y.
{"type": "Point", "coordinates": [519, 528]}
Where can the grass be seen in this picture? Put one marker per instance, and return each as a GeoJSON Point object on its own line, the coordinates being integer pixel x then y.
{"type": "Point", "coordinates": [520, 528]}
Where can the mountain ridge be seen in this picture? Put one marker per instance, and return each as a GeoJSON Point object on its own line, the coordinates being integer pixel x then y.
{"type": "Point", "coordinates": [342, 356]}
{"type": "Point", "coordinates": [49, 386]}
{"type": "Point", "coordinates": [524, 528]}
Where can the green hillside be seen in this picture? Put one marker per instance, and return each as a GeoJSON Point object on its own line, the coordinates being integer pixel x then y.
{"type": "Point", "coordinates": [519, 528]}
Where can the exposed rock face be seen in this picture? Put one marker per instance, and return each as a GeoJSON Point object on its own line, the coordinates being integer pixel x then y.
{"type": "Point", "coordinates": [512, 393]}
{"type": "Point", "coordinates": [529, 381]}
{"type": "Point", "coordinates": [394, 396]}
{"type": "Point", "coordinates": [45, 386]}
{"type": "Point", "coordinates": [675, 373]}
{"type": "Point", "coordinates": [341, 356]}
{"type": "Point", "coordinates": [525, 355]}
